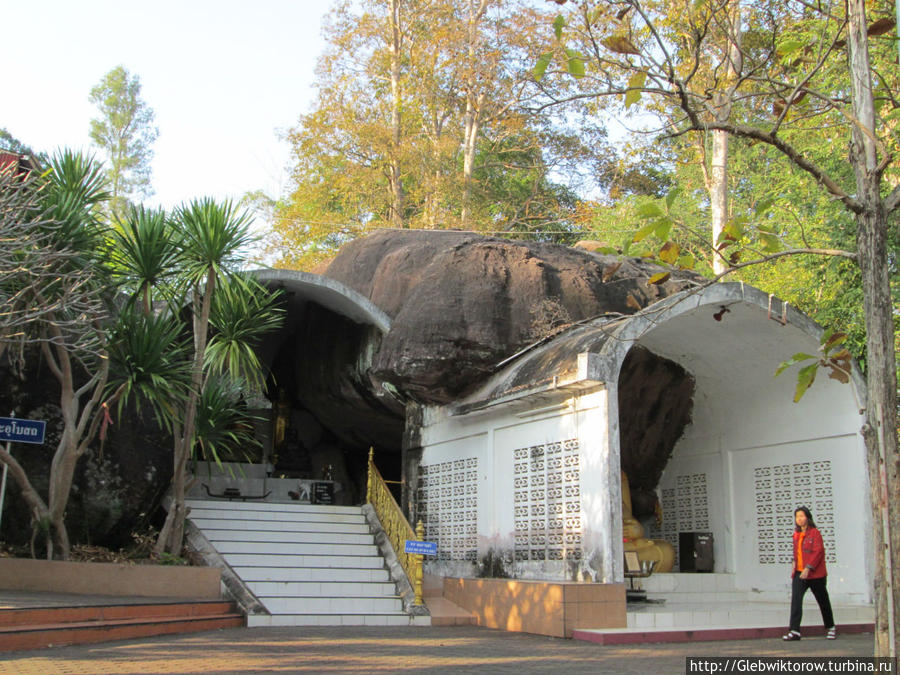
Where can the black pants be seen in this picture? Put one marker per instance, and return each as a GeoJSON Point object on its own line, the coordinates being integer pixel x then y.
{"type": "Point", "coordinates": [798, 590]}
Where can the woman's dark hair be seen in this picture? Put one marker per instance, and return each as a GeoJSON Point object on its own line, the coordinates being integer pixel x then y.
{"type": "Point", "coordinates": [809, 520]}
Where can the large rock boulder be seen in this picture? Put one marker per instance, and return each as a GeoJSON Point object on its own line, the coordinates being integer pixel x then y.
{"type": "Point", "coordinates": [461, 302]}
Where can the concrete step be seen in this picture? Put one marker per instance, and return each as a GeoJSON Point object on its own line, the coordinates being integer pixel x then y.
{"type": "Point", "coordinates": [38, 628]}
{"type": "Point", "coordinates": [676, 582]}
{"type": "Point", "coordinates": [204, 512]}
{"type": "Point", "coordinates": [249, 508]}
{"type": "Point", "coordinates": [320, 574]}
{"type": "Point", "coordinates": [446, 613]}
{"type": "Point", "coordinates": [336, 589]}
{"type": "Point", "coordinates": [336, 620]}
{"type": "Point", "coordinates": [300, 526]}
{"type": "Point", "coordinates": [343, 605]}
{"type": "Point", "coordinates": [733, 597]}
{"type": "Point", "coordinates": [287, 507]}
{"type": "Point", "coordinates": [270, 536]}
{"type": "Point", "coordinates": [746, 614]}
{"type": "Point", "coordinates": [298, 549]}
{"type": "Point", "coordinates": [261, 559]}
{"type": "Point", "coordinates": [623, 636]}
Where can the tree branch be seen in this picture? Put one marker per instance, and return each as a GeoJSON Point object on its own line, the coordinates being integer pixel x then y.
{"type": "Point", "coordinates": [892, 200]}
{"type": "Point", "coordinates": [781, 254]}
{"type": "Point", "coordinates": [791, 153]}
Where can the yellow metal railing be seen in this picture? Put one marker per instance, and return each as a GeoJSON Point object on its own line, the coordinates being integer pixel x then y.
{"type": "Point", "coordinates": [396, 527]}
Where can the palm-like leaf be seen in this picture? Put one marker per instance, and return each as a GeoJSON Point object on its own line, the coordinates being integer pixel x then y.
{"type": "Point", "coordinates": [150, 362]}
{"type": "Point", "coordinates": [224, 426]}
{"type": "Point", "coordinates": [145, 251]}
{"type": "Point", "coordinates": [74, 188]}
{"type": "Point", "coordinates": [243, 311]}
{"type": "Point", "coordinates": [212, 235]}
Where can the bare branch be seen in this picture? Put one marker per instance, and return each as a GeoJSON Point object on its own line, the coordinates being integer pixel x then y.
{"type": "Point", "coordinates": [892, 201]}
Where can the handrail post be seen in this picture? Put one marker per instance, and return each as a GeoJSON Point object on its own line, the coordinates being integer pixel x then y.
{"type": "Point", "coordinates": [417, 588]}
{"type": "Point", "coordinates": [370, 477]}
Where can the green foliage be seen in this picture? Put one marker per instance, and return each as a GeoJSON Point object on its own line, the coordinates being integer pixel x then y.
{"type": "Point", "coordinates": [150, 362]}
{"type": "Point", "coordinates": [224, 426]}
{"type": "Point", "coordinates": [124, 132]}
{"type": "Point", "coordinates": [242, 312]}
{"type": "Point", "coordinates": [833, 357]}
{"type": "Point", "coordinates": [470, 154]}
{"type": "Point", "coordinates": [213, 235]}
{"type": "Point", "coordinates": [145, 252]}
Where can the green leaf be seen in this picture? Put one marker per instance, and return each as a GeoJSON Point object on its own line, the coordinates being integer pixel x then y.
{"type": "Point", "coordinates": [672, 196]}
{"type": "Point", "coordinates": [763, 205]}
{"type": "Point", "coordinates": [663, 228]}
{"type": "Point", "coordinates": [805, 378]}
{"type": "Point", "coordinates": [575, 63]}
{"type": "Point", "coordinates": [734, 228]}
{"type": "Point", "coordinates": [649, 210]}
{"type": "Point", "coordinates": [558, 23]}
{"type": "Point", "coordinates": [541, 66]}
{"type": "Point", "coordinates": [788, 47]}
{"type": "Point", "coordinates": [687, 262]}
{"type": "Point", "coordinates": [770, 243]}
{"type": "Point", "coordinates": [796, 358]}
{"type": "Point", "coordinates": [635, 88]}
{"type": "Point", "coordinates": [643, 233]}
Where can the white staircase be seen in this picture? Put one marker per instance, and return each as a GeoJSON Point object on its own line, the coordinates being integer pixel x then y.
{"type": "Point", "coordinates": [308, 565]}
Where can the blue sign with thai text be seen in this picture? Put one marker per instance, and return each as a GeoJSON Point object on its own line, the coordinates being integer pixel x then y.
{"type": "Point", "coordinates": [421, 547]}
{"type": "Point", "coordinates": [22, 431]}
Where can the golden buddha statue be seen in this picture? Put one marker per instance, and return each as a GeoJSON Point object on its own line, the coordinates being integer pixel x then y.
{"type": "Point", "coordinates": [649, 550]}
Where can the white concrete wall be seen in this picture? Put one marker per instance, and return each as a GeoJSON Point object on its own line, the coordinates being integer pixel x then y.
{"type": "Point", "coordinates": [493, 439]}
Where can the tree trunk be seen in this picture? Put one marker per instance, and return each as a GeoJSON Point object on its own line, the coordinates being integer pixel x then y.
{"type": "Point", "coordinates": [395, 175]}
{"type": "Point", "coordinates": [473, 107]}
{"type": "Point", "coordinates": [881, 422]}
{"type": "Point", "coordinates": [880, 428]}
{"type": "Point", "coordinates": [39, 510]}
{"type": "Point", "coordinates": [171, 537]}
{"type": "Point", "coordinates": [718, 194]}
{"type": "Point", "coordinates": [718, 180]}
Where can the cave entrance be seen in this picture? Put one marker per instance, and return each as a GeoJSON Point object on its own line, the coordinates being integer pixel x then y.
{"type": "Point", "coordinates": [325, 412]}
{"type": "Point", "coordinates": [713, 442]}
{"type": "Point", "coordinates": [655, 403]}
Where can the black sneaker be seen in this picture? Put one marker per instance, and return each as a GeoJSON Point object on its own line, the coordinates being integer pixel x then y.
{"type": "Point", "coordinates": [791, 636]}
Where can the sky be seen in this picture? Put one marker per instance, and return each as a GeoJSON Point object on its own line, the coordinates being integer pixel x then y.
{"type": "Point", "coordinates": [223, 77]}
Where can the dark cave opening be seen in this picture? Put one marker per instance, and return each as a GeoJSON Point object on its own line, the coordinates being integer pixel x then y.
{"type": "Point", "coordinates": [655, 406]}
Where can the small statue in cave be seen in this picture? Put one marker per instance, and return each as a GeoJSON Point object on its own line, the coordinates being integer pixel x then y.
{"type": "Point", "coordinates": [660, 552]}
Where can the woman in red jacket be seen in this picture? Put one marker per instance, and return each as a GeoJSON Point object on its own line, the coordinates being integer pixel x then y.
{"type": "Point", "coordinates": [809, 572]}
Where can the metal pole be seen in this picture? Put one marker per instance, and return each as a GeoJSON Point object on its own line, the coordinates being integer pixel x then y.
{"type": "Point", "coordinates": [5, 469]}
{"type": "Point", "coordinates": [3, 485]}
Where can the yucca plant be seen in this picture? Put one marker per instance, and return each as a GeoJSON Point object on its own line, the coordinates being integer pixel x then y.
{"type": "Point", "coordinates": [150, 359]}
{"type": "Point", "coordinates": [224, 425]}
{"type": "Point", "coordinates": [145, 252]}
{"type": "Point", "coordinates": [242, 312]}
{"type": "Point", "coordinates": [211, 237]}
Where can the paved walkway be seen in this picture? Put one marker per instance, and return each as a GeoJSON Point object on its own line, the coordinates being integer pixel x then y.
{"type": "Point", "coordinates": [394, 650]}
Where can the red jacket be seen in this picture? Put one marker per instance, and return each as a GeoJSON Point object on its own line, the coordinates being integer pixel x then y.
{"type": "Point", "coordinates": [813, 553]}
